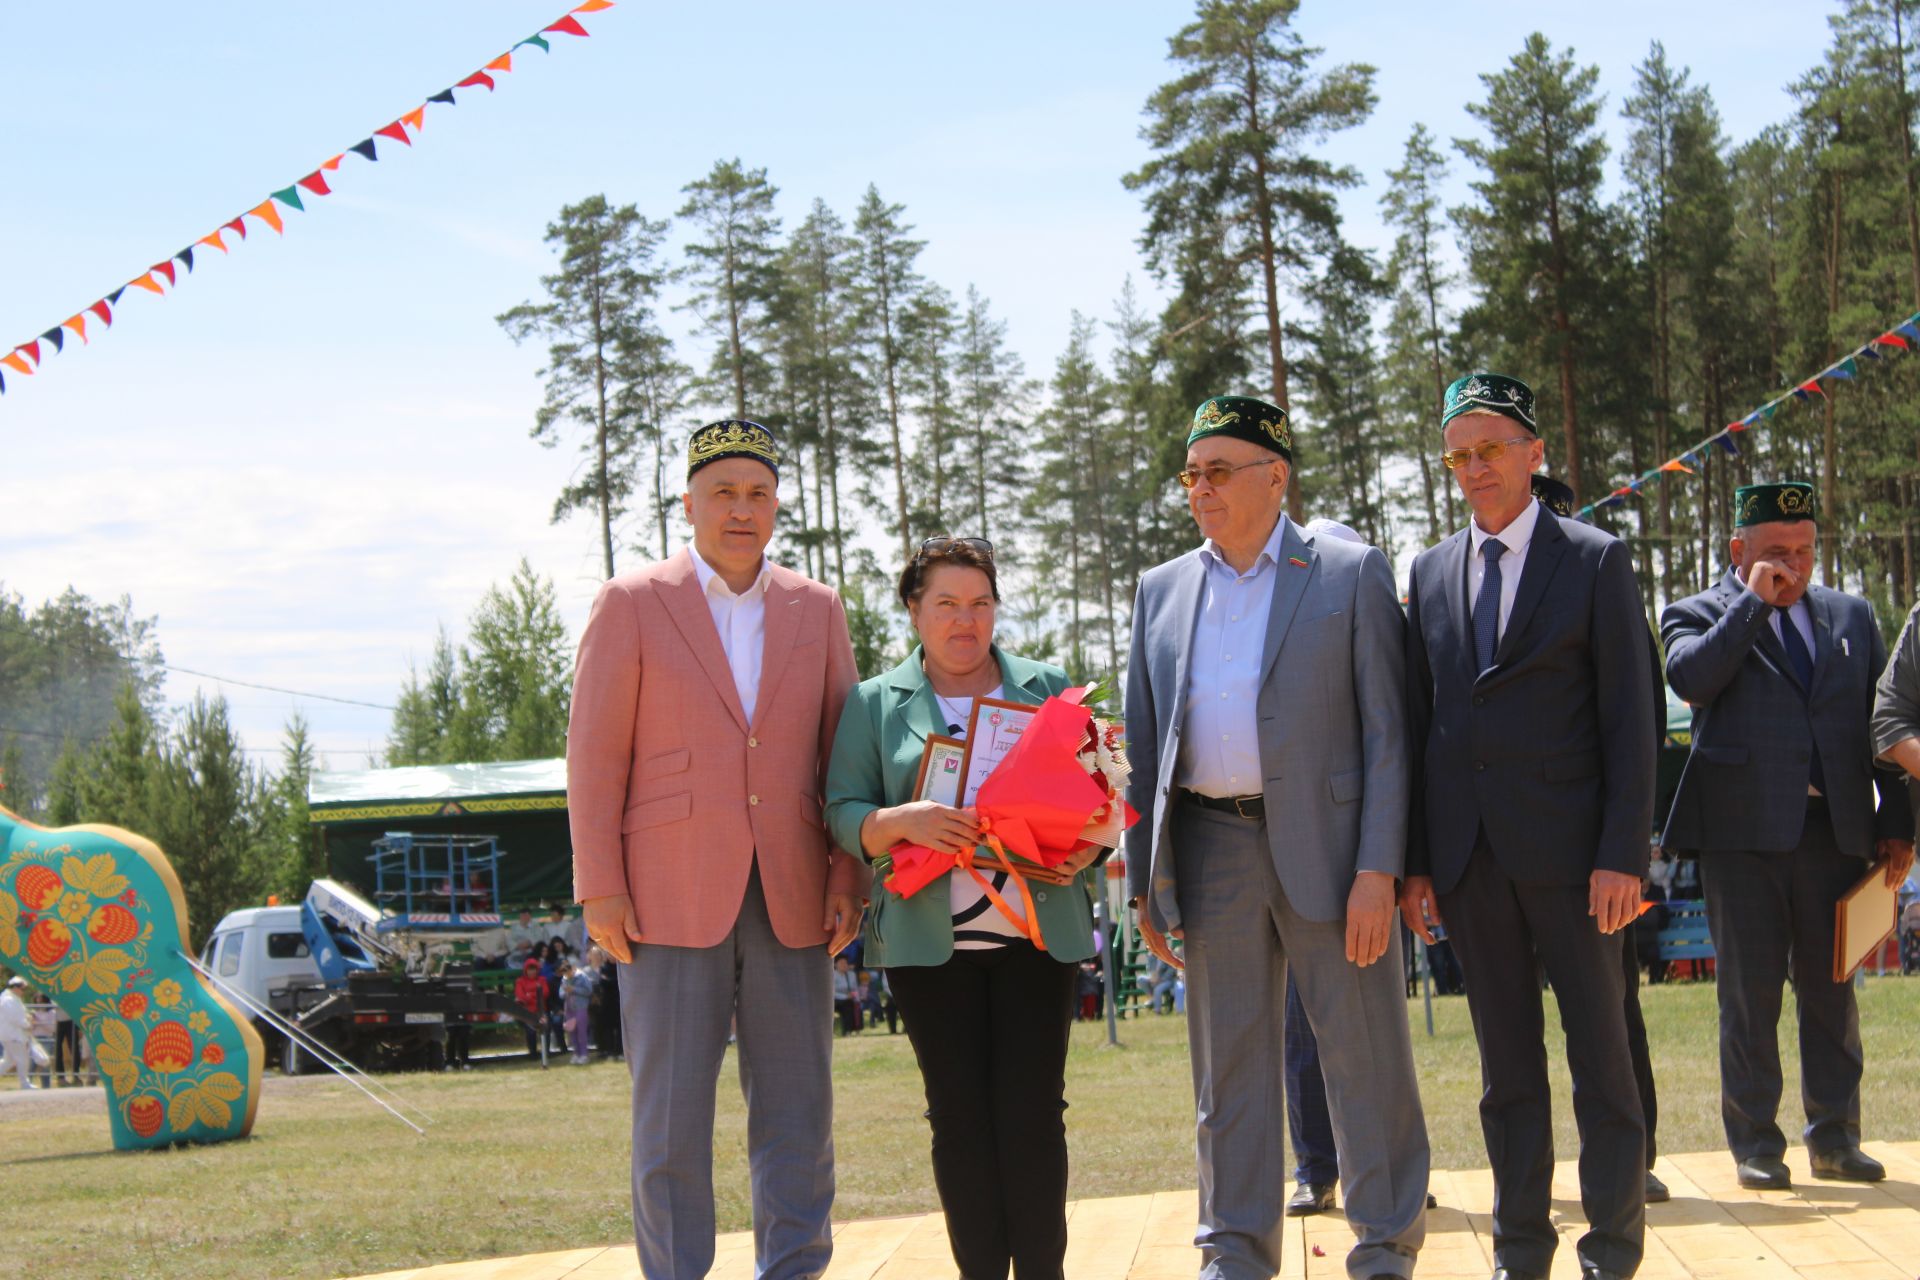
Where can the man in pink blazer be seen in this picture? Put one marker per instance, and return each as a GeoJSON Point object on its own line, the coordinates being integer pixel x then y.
{"type": "Point", "coordinates": [705, 701]}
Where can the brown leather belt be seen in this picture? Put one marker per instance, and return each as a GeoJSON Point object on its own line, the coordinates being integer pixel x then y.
{"type": "Point", "coordinates": [1253, 808]}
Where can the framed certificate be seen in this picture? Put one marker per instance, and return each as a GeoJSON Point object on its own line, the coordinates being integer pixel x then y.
{"type": "Point", "coordinates": [941, 767]}
{"type": "Point", "coordinates": [1863, 918]}
{"type": "Point", "coordinates": [992, 730]}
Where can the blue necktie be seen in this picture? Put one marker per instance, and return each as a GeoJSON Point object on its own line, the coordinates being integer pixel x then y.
{"type": "Point", "coordinates": [1486, 606]}
{"type": "Point", "coordinates": [1802, 663]}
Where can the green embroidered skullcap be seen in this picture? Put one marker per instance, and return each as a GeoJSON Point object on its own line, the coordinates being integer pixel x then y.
{"type": "Point", "coordinates": [1244, 418]}
{"type": "Point", "coordinates": [1766, 503]}
{"type": "Point", "coordinates": [733, 438]}
{"type": "Point", "coordinates": [1490, 393]}
{"type": "Point", "coordinates": [1556, 494]}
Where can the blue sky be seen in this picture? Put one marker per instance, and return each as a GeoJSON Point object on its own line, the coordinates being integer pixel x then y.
{"type": "Point", "coordinates": [316, 450]}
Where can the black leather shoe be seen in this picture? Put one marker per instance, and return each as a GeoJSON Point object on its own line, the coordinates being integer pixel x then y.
{"type": "Point", "coordinates": [1765, 1173]}
{"type": "Point", "coordinates": [1600, 1273]}
{"type": "Point", "coordinates": [1657, 1192]}
{"type": "Point", "coordinates": [1511, 1273]}
{"type": "Point", "coordinates": [1848, 1164]}
{"type": "Point", "coordinates": [1310, 1198]}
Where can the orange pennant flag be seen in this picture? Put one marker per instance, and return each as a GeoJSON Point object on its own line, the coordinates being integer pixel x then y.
{"type": "Point", "coordinates": [148, 283]}
{"type": "Point", "coordinates": [334, 163]}
{"type": "Point", "coordinates": [269, 215]}
{"type": "Point", "coordinates": [593, 6]}
{"type": "Point", "coordinates": [13, 360]}
{"type": "Point", "coordinates": [216, 240]}
{"type": "Point", "coordinates": [502, 63]}
{"type": "Point", "coordinates": [416, 118]}
{"type": "Point", "coordinates": [1676, 465]}
{"type": "Point", "coordinates": [79, 326]}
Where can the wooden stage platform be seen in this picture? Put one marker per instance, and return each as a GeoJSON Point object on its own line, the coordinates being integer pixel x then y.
{"type": "Point", "coordinates": [1710, 1230]}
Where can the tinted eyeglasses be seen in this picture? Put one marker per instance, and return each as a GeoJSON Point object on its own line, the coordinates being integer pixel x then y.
{"type": "Point", "coordinates": [934, 546]}
{"type": "Point", "coordinates": [1216, 474]}
{"type": "Point", "coordinates": [1490, 451]}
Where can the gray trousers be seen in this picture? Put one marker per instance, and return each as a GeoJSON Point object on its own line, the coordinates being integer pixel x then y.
{"type": "Point", "coordinates": [1241, 934]}
{"type": "Point", "coordinates": [676, 1006]}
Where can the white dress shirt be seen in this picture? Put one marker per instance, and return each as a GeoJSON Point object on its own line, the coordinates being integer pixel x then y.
{"type": "Point", "coordinates": [741, 621]}
{"type": "Point", "coordinates": [1219, 736]}
{"type": "Point", "coordinates": [1516, 537]}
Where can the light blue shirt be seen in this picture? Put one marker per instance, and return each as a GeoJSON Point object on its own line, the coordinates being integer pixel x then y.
{"type": "Point", "coordinates": [1219, 735]}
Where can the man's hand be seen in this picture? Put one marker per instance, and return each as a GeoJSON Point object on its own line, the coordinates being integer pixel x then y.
{"type": "Point", "coordinates": [1157, 941]}
{"type": "Point", "coordinates": [1418, 907]}
{"type": "Point", "coordinates": [1613, 899]}
{"type": "Point", "coordinates": [842, 921]}
{"type": "Point", "coordinates": [1897, 857]}
{"type": "Point", "coordinates": [1771, 582]}
{"type": "Point", "coordinates": [1369, 917]}
{"type": "Point", "coordinates": [612, 924]}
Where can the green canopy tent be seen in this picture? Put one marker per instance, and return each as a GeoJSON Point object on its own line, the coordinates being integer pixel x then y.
{"type": "Point", "coordinates": [521, 802]}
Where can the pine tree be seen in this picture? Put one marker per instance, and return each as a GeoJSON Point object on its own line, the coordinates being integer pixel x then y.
{"type": "Point", "coordinates": [993, 396]}
{"type": "Point", "coordinates": [1416, 271]}
{"type": "Point", "coordinates": [734, 273]}
{"type": "Point", "coordinates": [601, 341]}
{"type": "Point", "coordinates": [886, 282]}
{"type": "Point", "coordinates": [1234, 133]}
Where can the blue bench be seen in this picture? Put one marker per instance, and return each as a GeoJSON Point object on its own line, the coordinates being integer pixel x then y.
{"type": "Point", "coordinates": [1685, 936]}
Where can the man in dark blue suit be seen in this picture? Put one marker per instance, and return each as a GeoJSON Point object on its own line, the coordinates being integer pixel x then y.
{"type": "Point", "coordinates": [1778, 797]}
{"type": "Point", "coordinates": [1533, 748]}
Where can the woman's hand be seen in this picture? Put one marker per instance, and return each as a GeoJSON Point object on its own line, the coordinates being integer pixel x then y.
{"type": "Point", "coordinates": [939, 827]}
{"type": "Point", "coordinates": [1075, 863]}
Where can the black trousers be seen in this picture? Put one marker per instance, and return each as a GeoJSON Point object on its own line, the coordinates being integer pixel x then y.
{"type": "Point", "coordinates": [1771, 914]}
{"type": "Point", "coordinates": [1637, 1039]}
{"type": "Point", "coordinates": [990, 1029]}
{"type": "Point", "coordinates": [1504, 932]}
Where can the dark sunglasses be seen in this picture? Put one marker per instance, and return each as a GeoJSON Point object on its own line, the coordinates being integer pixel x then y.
{"type": "Point", "coordinates": [934, 546]}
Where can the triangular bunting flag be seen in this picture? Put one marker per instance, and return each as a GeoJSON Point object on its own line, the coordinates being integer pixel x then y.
{"type": "Point", "coordinates": [1676, 465]}
{"type": "Point", "coordinates": [1811, 385]}
{"type": "Point", "coordinates": [3, 384]}
{"type": "Point", "coordinates": [148, 283]}
{"type": "Point", "coordinates": [568, 25]}
{"type": "Point", "coordinates": [290, 196]}
{"type": "Point", "coordinates": [445, 95]}
{"type": "Point", "coordinates": [216, 240]}
{"type": "Point", "coordinates": [539, 40]}
{"type": "Point", "coordinates": [1869, 351]}
{"type": "Point", "coordinates": [239, 224]}
{"type": "Point", "coordinates": [334, 163]}
{"type": "Point", "coordinates": [102, 310]}
{"type": "Point", "coordinates": [1909, 329]}
{"type": "Point", "coordinates": [13, 361]}
{"type": "Point", "coordinates": [1740, 425]}
{"type": "Point", "coordinates": [33, 351]}
{"type": "Point", "coordinates": [186, 256]}
{"type": "Point", "coordinates": [1770, 408]}
{"type": "Point", "coordinates": [1845, 369]}
{"type": "Point", "coordinates": [415, 119]}
{"type": "Point", "coordinates": [57, 336]}
{"type": "Point", "coordinates": [1892, 339]}
{"type": "Point", "coordinates": [502, 63]}
{"type": "Point", "coordinates": [269, 215]}
{"type": "Point", "coordinates": [365, 148]}
{"type": "Point", "coordinates": [78, 324]}
{"type": "Point", "coordinates": [478, 77]}
{"type": "Point", "coordinates": [316, 183]}
{"type": "Point", "coordinates": [592, 6]}
{"type": "Point", "coordinates": [114, 297]}
{"type": "Point", "coordinates": [165, 269]}
{"type": "Point", "coordinates": [396, 131]}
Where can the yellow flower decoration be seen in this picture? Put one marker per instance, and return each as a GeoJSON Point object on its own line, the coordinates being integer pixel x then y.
{"type": "Point", "coordinates": [198, 1021]}
{"type": "Point", "coordinates": [166, 993]}
{"type": "Point", "coordinates": [74, 907]}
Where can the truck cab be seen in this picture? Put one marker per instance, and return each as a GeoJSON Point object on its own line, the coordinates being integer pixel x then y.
{"type": "Point", "coordinates": [262, 951]}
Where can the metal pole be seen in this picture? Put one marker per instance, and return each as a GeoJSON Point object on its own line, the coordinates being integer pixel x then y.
{"type": "Point", "coordinates": [1101, 921]}
{"type": "Point", "coordinates": [1426, 979]}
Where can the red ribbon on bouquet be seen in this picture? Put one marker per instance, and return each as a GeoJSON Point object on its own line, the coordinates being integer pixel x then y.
{"type": "Point", "coordinates": [1038, 803]}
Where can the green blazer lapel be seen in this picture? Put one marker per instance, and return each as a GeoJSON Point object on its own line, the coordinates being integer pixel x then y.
{"type": "Point", "coordinates": [914, 706]}
{"type": "Point", "coordinates": [1021, 680]}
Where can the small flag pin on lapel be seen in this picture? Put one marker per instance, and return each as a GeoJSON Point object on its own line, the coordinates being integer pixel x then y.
{"type": "Point", "coordinates": [1297, 562]}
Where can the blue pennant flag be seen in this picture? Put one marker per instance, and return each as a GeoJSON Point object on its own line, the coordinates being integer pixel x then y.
{"type": "Point", "coordinates": [1728, 443]}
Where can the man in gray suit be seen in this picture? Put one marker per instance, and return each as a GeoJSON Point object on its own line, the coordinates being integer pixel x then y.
{"type": "Point", "coordinates": [1533, 748]}
{"type": "Point", "coordinates": [1778, 797]}
{"type": "Point", "coordinates": [1265, 677]}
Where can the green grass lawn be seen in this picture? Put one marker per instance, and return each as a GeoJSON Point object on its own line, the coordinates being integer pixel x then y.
{"type": "Point", "coordinates": [522, 1161]}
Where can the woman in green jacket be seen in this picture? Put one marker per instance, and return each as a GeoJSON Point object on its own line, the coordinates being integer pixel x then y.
{"type": "Point", "coordinates": [989, 1014]}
